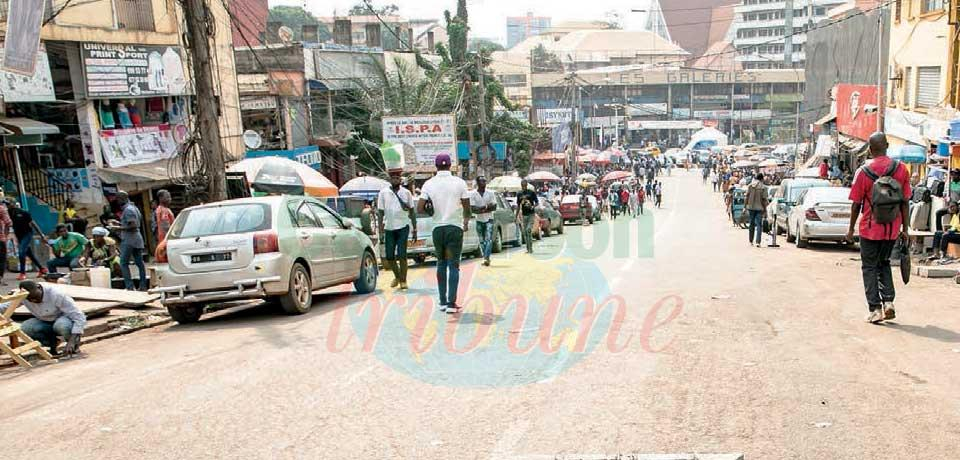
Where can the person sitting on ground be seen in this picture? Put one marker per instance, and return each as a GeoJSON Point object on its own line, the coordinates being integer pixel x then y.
{"type": "Point", "coordinates": [950, 234]}
{"type": "Point", "coordinates": [102, 251]}
{"type": "Point", "coordinates": [54, 315]}
{"type": "Point", "coordinates": [68, 248]}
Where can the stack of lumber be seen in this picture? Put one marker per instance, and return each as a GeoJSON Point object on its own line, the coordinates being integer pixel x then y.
{"type": "Point", "coordinates": [96, 301]}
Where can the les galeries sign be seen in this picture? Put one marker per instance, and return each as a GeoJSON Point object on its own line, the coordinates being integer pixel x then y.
{"type": "Point", "coordinates": [646, 77]}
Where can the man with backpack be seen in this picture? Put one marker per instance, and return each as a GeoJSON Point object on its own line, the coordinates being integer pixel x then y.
{"type": "Point", "coordinates": [880, 190]}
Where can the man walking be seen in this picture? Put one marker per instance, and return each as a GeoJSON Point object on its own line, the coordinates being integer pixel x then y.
{"type": "Point", "coordinates": [24, 228]}
{"type": "Point", "coordinates": [5, 224]}
{"type": "Point", "coordinates": [131, 241]}
{"type": "Point", "coordinates": [641, 198]}
{"type": "Point", "coordinates": [756, 206]}
{"type": "Point", "coordinates": [451, 214]}
{"type": "Point", "coordinates": [879, 191]}
{"type": "Point", "coordinates": [397, 218]}
{"type": "Point", "coordinates": [527, 201]}
{"type": "Point", "coordinates": [482, 204]}
{"type": "Point", "coordinates": [658, 193]}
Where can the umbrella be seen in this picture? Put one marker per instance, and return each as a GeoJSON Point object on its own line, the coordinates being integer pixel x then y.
{"type": "Point", "coordinates": [769, 163]}
{"type": "Point", "coordinates": [505, 184]}
{"type": "Point", "coordinates": [744, 164]}
{"type": "Point", "coordinates": [364, 186]}
{"type": "Point", "coordinates": [617, 176]}
{"type": "Point", "coordinates": [616, 185]}
{"type": "Point", "coordinates": [758, 158]}
{"type": "Point", "coordinates": [281, 175]}
{"type": "Point", "coordinates": [586, 177]}
{"type": "Point", "coordinates": [543, 176]}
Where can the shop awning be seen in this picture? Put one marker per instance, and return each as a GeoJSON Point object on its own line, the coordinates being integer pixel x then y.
{"type": "Point", "coordinates": [826, 119]}
{"type": "Point", "coordinates": [27, 127]}
{"type": "Point", "coordinates": [143, 176]}
{"type": "Point", "coordinates": [852, 145]}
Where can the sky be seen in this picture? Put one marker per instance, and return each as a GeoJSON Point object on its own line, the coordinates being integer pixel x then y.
{"type": "Point", "coordinates": [488, 18]}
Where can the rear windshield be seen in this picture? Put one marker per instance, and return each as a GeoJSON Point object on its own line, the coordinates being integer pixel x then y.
{"type": "Point", "coordinates": [221, 220]}
{"type": "Point", "coordinates": [828, 194]}
{"type": "Point", "coordinates": [798, 187]}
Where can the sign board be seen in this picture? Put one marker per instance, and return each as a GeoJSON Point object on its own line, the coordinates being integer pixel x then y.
{"type": "Point", "coordinates": [665, 124]}
{"type": "Point", "coordinates": [24, 18]}
{"type": "Point", "coordinates": [465, 150]}
{"type": "Point", "coordinates": [309, 155]}
{"type": "Point", "coordinates": [37, 87]}
{"type": "Point", "coordinates": [429, 135]}
{"type": "Point", "coordinates": [519, 115]}
{"type": "Point", "coordinates": [252, 139]}
{"type": "Point", "coordinates": [647, 109]}
{"type": "Point", "coordinates": [553, 117]}
{"type": "Point", "coordinates": [602, 122]}
{"type": "Point", "coordinates": [258, 102]}
{"type": "Point", "coordinates": [679, 76]}
{"type": "Point", "coordinates": [852, 116]}
{"type": "Point", "coordinates": [132, 70]}
{"type": "Point", "coordinates": [755, 114]}
{"type": "Point", "coordinates": [124, 147]}
{"type": "Point", "coordinates": [77, 182]}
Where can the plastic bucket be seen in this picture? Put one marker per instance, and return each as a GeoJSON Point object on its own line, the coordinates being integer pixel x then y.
{"type": "Point", "coordinates": [100, 277]}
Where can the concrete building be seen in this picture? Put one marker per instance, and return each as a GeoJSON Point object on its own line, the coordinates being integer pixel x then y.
{"type": "Point", "coordinates": [770, 34]}
{"type": "Point", "coordinates": [686, 22]}
{"type": "Point", "coordinates": [391, 32]}
{"type": "Point", "coordinates": [519, 28]}
{"type": "Point", "coordinates": [250, 21]}
{"type": "Point", "coordinates": [118, 74]}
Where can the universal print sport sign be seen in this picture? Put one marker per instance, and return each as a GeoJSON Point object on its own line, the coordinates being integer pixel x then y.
{"type": "Point", "coordinates": [429, 135]}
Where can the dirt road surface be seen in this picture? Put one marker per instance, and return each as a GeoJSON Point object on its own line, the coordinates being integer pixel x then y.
{"type": "Point", "coordinates": [731, 349]}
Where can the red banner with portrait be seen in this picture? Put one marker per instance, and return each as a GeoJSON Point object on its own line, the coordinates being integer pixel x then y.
{"type": "Point", "coordinates": [857, 110]}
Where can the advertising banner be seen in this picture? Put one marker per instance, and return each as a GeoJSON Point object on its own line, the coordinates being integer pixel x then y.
{"type": "Point", "coordinates": [428, 135]}
{"type": "Point", "coordinates": [36, 87]}
{"type": "Point", "coordinates": [132, 70]}
{"type": "Point", "coordinates": [553, 117]}
{"type": "Point", "coordinates": [22, 40]}
{"type": "Point", "coordinates": [309, 155]}
{"type": "Point", "coordinates": [124, 147]}
{"type": "Point", "coordinates": [853, 119]}
{"type": "Point", "coordinates": [78, 184]}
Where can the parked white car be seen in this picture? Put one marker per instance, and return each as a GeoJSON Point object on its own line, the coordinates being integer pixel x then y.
{"type": "Point", "coordinates": [279, 247]}
{"type": "Point", "coordinates": [820, 213]}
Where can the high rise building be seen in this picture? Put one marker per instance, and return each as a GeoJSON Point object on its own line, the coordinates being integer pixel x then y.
{"type": "Point", "coordinates": [521, 27]}
{"type": "Point", "coordinates": [771, 34]}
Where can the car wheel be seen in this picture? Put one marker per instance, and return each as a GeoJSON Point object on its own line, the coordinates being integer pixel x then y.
{"type": "Point", "coordinates": [299, 296]}
{"type": "Point", "coordinates": [367, 280]}
{"type": "Point", "coordinates": [801, 241]}
{"type": "Point", "coordinates": [186, 314]}
{"type": "Point", "coordinates": [560, 228]}
{"type": "Point", "coordinates": [790, 237]}
{"type": "Point", "coordinates": [497, 241]}
{"type": "Point", "coordinates": [419, 259]}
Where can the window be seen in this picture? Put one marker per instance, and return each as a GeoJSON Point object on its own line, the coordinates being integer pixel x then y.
{"type": "Point", "coordinates": [327, 219]}
{"type": "Point", "coordinates": [221, 220]}
{"type": "Point", "coordinates": [928, 87]}
{"type": "Point", "coordinates": [302, 217]}
{"type": "Point", "coordinates": [927, 6]}
{"type": "Point", "coordinates": [907, 86]}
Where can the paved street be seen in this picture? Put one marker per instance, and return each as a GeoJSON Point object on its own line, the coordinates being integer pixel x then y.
{"type": "Point", "coordinates": [731, 349]}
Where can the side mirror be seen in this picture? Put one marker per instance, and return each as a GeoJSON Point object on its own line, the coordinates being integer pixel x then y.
{"type": "Point", "coordinates": [347, 224]}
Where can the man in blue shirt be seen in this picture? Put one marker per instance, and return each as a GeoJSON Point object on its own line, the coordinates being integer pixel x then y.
{"type": "Point", "coordinates": [131, 241]}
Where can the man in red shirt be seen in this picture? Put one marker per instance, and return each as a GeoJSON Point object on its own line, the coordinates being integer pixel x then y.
{"type": "Point", "coordinates": [876, 239]}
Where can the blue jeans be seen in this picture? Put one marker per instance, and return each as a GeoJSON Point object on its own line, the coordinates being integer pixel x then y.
{"type": "Point", "coordinates": [25, 249]}
{"type": "Point", "coordinates": [126, 252]}
{"type": "Point", "coordinates": [485, 232]}
{"type": "Point", "coordinates": [395, 243]}
{"type": "Point", "coordinates": [46, 332]}
{"type": "Point", "coordinates": [756, 225]}
{"type": "Point", "coordinates": [64, 261]}
{"type": "Point", "coordinates": [448, 244]}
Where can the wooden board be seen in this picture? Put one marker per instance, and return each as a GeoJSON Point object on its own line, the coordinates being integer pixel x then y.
{"type": "Point", "coordinates": [104, 295]}
{"type": "Point", "coordinates": [90, 308]}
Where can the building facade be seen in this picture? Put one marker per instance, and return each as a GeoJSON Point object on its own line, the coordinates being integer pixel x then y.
{"type": "Point", "coordinates": [771, 34]}
{"type": "Point", "coordinates": [519, 28]}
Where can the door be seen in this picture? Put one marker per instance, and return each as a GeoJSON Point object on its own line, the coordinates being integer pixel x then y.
{"type": "Point", "coordinates": [505, 217]}
{"type": "Point", "coordinates": [347, 247]}
{"type": "Point", "coordinates": [316, 246]}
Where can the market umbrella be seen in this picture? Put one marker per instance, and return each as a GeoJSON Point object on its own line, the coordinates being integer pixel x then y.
{"type": "Point", "coordinates": [543, 176]}
{"type": "Point", "coordinates": [364, 186]}
{"type": "Point", "coordinates": [769, 163]}
{"type": "Point", "coordinates": [281, 175]}
{"type": "Point", "coordinates": [504, 184]}
{"type": "Point", "coordinates": [617, 176]}
{"type": "Point", "coordinates": [586, 177]}
{"type": "Point", "coordinates": [587, 158]}
{"type": "Point", "coordinates": [744, 164]}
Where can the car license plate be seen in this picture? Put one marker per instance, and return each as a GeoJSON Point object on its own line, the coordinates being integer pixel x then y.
{"type": "Point", "coordinates": [216, 257]}
{"type": "Point", "coordinates": [417, 243]}
{"type": "Point", "coordinates": [841, 215]}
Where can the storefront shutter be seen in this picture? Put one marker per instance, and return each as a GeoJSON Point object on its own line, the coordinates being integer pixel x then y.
{"type": "Point", "coordinates": [928, 86]}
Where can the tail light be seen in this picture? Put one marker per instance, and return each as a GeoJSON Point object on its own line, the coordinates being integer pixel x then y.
{"type": "Point", "coordinates": [265, 242]}
{"type": "Point", "coordinates": [161, 252]}
{"type": "Point", "coordinates": [811, 214]}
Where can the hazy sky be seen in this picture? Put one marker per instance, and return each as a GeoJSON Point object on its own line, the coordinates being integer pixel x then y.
{"type": "Point", "coordinates": [488, 17]}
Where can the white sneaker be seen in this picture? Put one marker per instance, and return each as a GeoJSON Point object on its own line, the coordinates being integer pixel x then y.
{"type": "Point", "coordinates": [874, 317]}
{"type": "Point", "coordinates": [889, 312]}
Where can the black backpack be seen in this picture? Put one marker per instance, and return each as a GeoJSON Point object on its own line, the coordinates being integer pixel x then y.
{"type": "Point", "coordinates": [886, 195]}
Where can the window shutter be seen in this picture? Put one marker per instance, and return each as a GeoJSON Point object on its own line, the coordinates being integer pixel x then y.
{"type": "Point", "coordinates": [928, 87]}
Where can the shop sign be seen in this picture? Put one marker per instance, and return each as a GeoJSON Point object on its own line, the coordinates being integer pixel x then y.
{"type": "Point", "coordinates": [77, 182]}
{"type": "Point", "coordinates": [853, 118]}
{"type": "Point", "coordinates": [309, 155]}
{"type": "Point", "coordinates": [258, 102]}
{"type": "Point", "coordinates": [553, 117]}
{"type": "Point", "coordinates": [666, 124]}
{"type": "Point", "coordinates": [429, 135]}
{"type": "Point", "coordinates": [601, 122]}
{"type": "Point", "coordinates": [755, 114]}
{"type": "Point", "coordinates": [647, 109]}
{"type": "Point", "coordinates": [132, 70]}
{"type": "Point", "coordinates": [37, 87]}
{"type": "Point", "coordinates": [124, 147]}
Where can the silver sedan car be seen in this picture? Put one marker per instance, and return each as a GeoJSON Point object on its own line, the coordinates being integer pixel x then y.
{"type": "Point", "coordinates": [820, 213]}
{"type": "Point", "coordinates": [277, 247]}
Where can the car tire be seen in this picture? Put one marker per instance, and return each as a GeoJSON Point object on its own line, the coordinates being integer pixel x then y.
{"type": "Point", "coordinates": [419, 259]}
{"type": "Point", "coordinates": [801, 241]}
{"type": "Point", "coordinates": [497, 246]}
{"type": "Point", "coordinates": [299, 297]}
{"type": "Point", "coordinates": [186, 314]}
{"type": "Point", "coordinates": [366, 281]}
{"type": "Point", "coordinates": [790, 237]}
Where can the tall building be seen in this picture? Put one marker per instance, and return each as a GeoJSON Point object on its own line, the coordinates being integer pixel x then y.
{"type": "Point", "coordinates": [690, 23]}
{"type": "Point", "coordinates": [521, 27]}
{"type": "Point", "coordinates": [771, 34]}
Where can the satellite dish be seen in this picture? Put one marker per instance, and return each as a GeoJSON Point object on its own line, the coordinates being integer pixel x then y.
{"type": "Point", "coordinates": [252, 139]}
{"type": "Point", "coordinates": [343, 128]}
{"type": "Point", "coordinates": [285, 34]}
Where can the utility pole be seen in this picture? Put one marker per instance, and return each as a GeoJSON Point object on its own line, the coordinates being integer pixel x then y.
{"type": "Point", "coordinates": [483, 112]}
{"type": "Point", "coordinates": [198, 18]}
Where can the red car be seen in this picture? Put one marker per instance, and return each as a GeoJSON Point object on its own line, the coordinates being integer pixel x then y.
{"type": "Point", "coordinates": [570, 208]}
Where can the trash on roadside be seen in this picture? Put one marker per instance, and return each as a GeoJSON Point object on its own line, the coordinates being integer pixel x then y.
{"type": "Point", "coordinates": [823, 424]}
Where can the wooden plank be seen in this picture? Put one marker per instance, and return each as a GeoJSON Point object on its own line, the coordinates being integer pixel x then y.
{"type": "Point", "coordinates": [91, 309]}
{"type": "Point", "coordinates": [105, 295]}
{"type": "Point", "coordinates": [19, 359]}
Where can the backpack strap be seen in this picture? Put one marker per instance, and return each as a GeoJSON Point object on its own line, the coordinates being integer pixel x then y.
{"type": "Point", "coordinates": [869, 172]}
{"type": "Point", "coordinates": [893, 168]}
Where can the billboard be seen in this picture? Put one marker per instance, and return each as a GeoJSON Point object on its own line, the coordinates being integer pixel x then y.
{"type": "Point", "coordinates": [132, 70]}
{"type": "Point", "coordinates": [853, 117]}
{"type": "Point", "coordinates": [22, 40]}
{"type": "Point", "coordinates": [428, 135]}
{"type": "Point", "coordinates": [124, 147]}
{"type": "Point", "coordinates": [553, 117]}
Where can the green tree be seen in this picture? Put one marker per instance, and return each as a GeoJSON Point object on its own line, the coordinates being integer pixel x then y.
{"type": "Point", "coordinates": [295, 18]}
{"type": "Point", "coordinates": [361, 9]}
{"type": "Point", "coordinates": [544, 61]}
{"type": "Point", "coordinates": [483, 44]}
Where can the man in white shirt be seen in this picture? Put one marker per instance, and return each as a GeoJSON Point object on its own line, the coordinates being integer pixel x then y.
{"type": "Point", "coordinates": [397, 218]}
{"type": "Point", "coordinates": [483, 203]}
{"type": "Point", "coordinates": [54, 314]}
{"type": "Point", "coordinates": [451, 214]}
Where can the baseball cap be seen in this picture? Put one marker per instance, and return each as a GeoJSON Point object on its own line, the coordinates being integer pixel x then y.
{"type": "Point", "coordinates": [442, 159]}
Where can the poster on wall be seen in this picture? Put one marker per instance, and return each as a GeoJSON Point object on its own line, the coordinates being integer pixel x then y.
{"type": "Point", "coordinates": [124, 147]}
{"type": "Point", "coordinates": [77, 182]}
{"type": "Point", "coordinates": [91, 150]}
{"type": "Point", "coordinates": [428, 135]}
{"type": "Point", "coordinates": [854, 115]}
{"type": "Point", "coordinates": [36, 87]}
{"type": "Point", "coordinates": [132, 70]}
